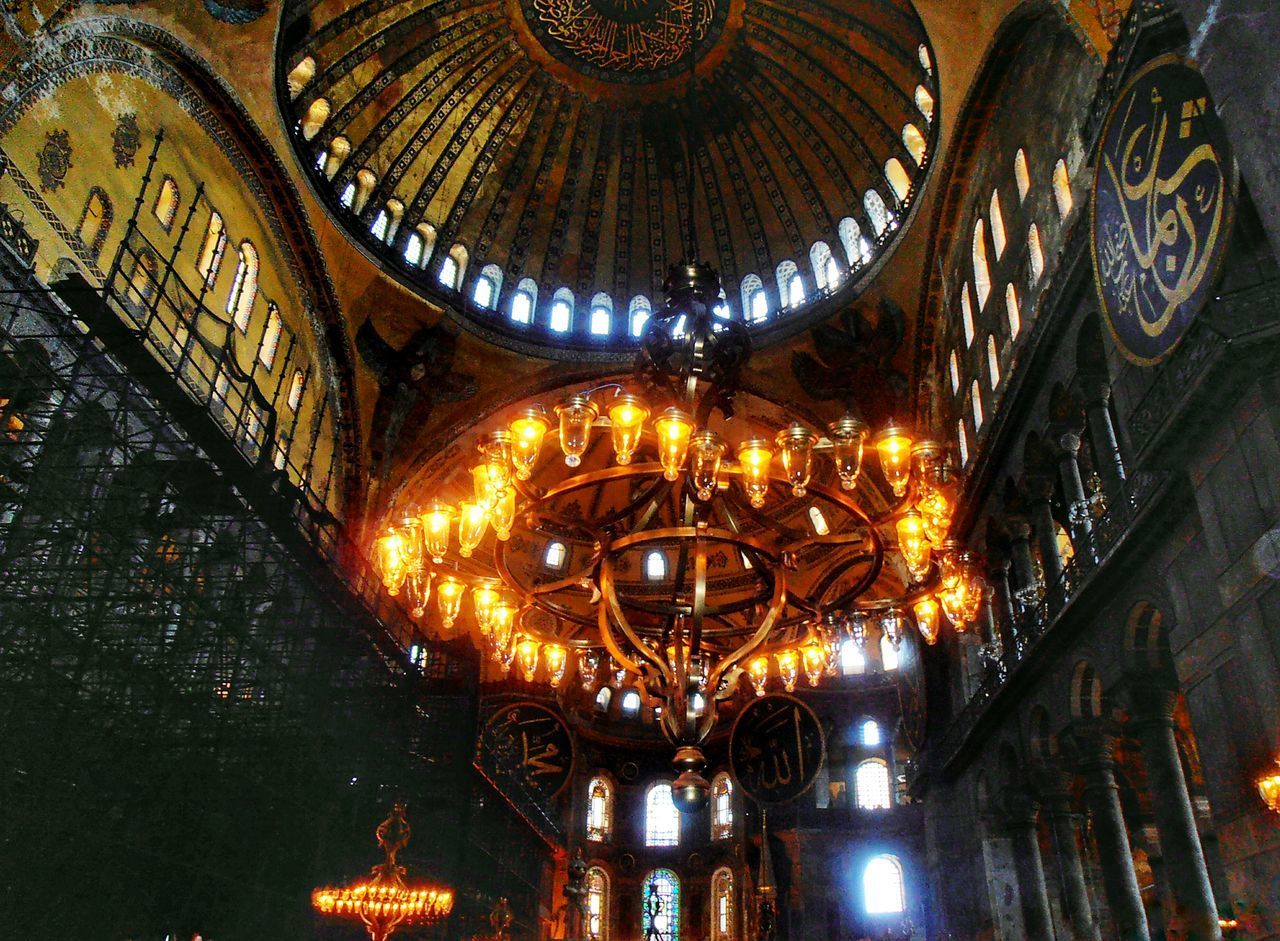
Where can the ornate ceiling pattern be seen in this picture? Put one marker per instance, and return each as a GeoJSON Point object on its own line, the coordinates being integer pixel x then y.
{"type": "Point", "coordinates": [548, 141]}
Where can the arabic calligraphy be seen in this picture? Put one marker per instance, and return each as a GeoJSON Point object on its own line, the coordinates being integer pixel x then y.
{"type": "Point", "coordinates": [776, 749]}
{"type": "Point", "coordinates": [623, 35]}
{"type": "Point", "coordinates": [1162, 208]}
{"type": "Point", "coordinates": [530, 743]}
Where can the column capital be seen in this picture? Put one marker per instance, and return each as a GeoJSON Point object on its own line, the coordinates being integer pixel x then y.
{"type": "Point", "coordinates": [1018, 808]}
{"type": "Point", "coordinates": [1069, 443]}
{"type": "Point", "coordinates": [999, 565]}
{"type": "Point", "coordinates": [1019, 527]}
{"type": "Point", "coordinates": [1152, 697]}
{"type": "Point", "coordinates": [1094, 389]}
{"type": "Point", "coordinates": [1052, 781]}
{"type": "Point", "coordinates": [1037, 487]}
{"type": "Point", "coordinates": [1090, 744]}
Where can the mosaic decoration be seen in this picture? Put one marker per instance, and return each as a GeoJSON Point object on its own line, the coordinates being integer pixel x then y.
{"type": "Point", "coordinates": [1163, 205]}
{"type": "Point", "coordinates": [126, 139]}
{"type": "Point", "coordinates": [776, 749]}
{"type": "Point", "coordinates": [527, 746]}
{"type": "Point", "coordinates": [54, 161]}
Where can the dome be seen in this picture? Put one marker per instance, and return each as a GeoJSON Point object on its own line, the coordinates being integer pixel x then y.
{"type": "Point", "coordinates": [522, 163]}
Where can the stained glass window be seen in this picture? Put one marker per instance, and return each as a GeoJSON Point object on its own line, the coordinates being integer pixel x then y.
{"type": "Point", "coordinates": [599, 809]}
{"type": "Point", "coordinates": [660, 912]}
{"type": "Point", "coordinates": [661, 819]}
{"type": "Point", "coordinates": [722, 906]}
{"type": "Point", "coordinates": [721, 807]}
{"type": "Point", "coordinates": [597, 904]}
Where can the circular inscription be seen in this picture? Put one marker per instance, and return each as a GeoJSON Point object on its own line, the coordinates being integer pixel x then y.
{"type": "Point", "coordinates": [1163, 204]}
{"type": "Point", "coordinates": [527, 745]}
{"type": "Point", "coordinates": [628, 41]}
{"type": "Point", "coordinates": [776, 749]}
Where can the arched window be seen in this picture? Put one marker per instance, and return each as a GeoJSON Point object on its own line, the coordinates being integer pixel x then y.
{"type": "Point", "coordinates": [896, 174]}
{"type": "Point", "coordinates": [882, 887]}
{"type": "Point", "coordinates": [953, 367]}
{"type": "Point", "coordinates": [661, 819]}
{"type": "Point", "coordinates": [914, 141]}
{"type": "Point", "coordinates": [924, 102]}
{"type": "Point", "coordinates": [721, 807]}
{"type": "Point", "coordinates": [561, 311]}
{"type": "Point", "coordinates": [212, 249]}
{"type": "Point", "coordinates": [856, 248]}
{"type": "Point", "coordinates": [556, 556]}
{"type": "Point", "coordinates": [755, 306]}
{"type": "Point", "coordinates": [981, 273]}
{"type": "Point", "coordinates": [143, 279]}
{"type": "Point", "coordinates": [603, 698]}
{"type": "Point", "coordinates": [876, 212]}
{"type": "Point", "coordinates": [333, 158]}
{"type": "Point", "coordinates": [244, 287]}
{"type": "Point", "coordinates": [630, 703]}
{"type": "Point", "coordinates": [853, 662]}
{"type": "Point", "coordinates": [818, 521]}
{"type": "Point", "coordinates": [365, 182]}
{"type": "Point", "coordinates": [1062, 188]}
{"type": "Point", "coordinates": [966, 314]}
{"type": "Point", "coordinates": [1021, 174]}
{"type": "Point", "coordinates": [660, 906]}
{"type": "Point", "coordinates": [962, 442]}
{"type": "Point", "coordinates": [300, 76]}
{"type": "Point", "coordinates": [95, 221]}
{"type": "Point", "coordinates": [1011, 308]}
{"type": "Point", "coordinates": [524, 301]}
{"type": "Point", "coordinates": [790, 284]}
{"type": "Point", "coordinates": [597, 904]}
{"type": "Point", "coordinates": [601, 315]}
{"type": "Point", "coordinates": [316, 115]}
{"type": "Point", "coordinates": [419, 245]}
{"type": "Point", "coordinates": [638, 312]}
{"type": "Point", "coordinates": [1035, 253]}
{"type": "Point", "coordinates": [599, 809]}
{"type": "Point", "coordinates": [870, 733]}
{"type": "Point", "coordinates": [871, 785]}
{"type": "Point", "coordinates": [296, 389]}
{"type": "Point", "coordinates": [998, 239]}
{"type": "Point", "coordinates": [454, 267]}
{"type": "Point", "coordinates": [381, 224]}
{"type": "Point", "coordinates": [926, 60]}
{"type": "Point", "coordinates": [826, 273]}
{"type": "Point", "coordinates": [487, 286]}
{"type": "Point", "coordinates": [166, 207]}
{"type": "Point", "coordinates": [723, 906]}
{"type": "Point", "coordinates": [888, 654]}
{"type": "Point", "coordinates": [993, 361]}
{"type": "Point", "coordinates": [348, 197]}
{"type": "Point", "coordinates": [270, 337]}
{"type": "Point", "coordinates": [655, 565]}
{"type": "Point", "coordinates": [975, 392]}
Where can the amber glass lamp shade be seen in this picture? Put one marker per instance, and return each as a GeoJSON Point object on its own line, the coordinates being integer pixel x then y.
{"type": "Point", "coordinates": [1269, 789]}
{"type": "Point", "coordinates": [674, 428]}
{"type": "Point", "coordinates": [482, 490]}
{"type": "Point", "coordinates": [496, 449]}
{"type": "Point", "coordinates": [503, 514]}
{"type": "Point", "coordinates": [436, 520]}
{"type": "Point", "coordinates": [848, 439]}
{"type": "Point", "coordinates": [556, 658]}
{"type": "Point", "coordinates": [388, 559]}
{"type": "Point", "coordinates": [527, 432]}
{"type": "Point", "coordinates": [758, 674]}
{"type": "Point", "coordinates": [627, 415]}
{"type": "Point", "coordinates": [893, 445]}
{"type": "Point", "coordinates": [754, 457]}
{"type": "Point", "coordinates": [484, 598]}
{"type": "Point", "coordinates": [795, 447]}
{"type": "Point", "coordinates": [891, 624]}
{"type": "Point", "coordinates": [576, 414]}
{"type": "Point", "coordinates": [788, 668]}
{"type": "Point", "coordinates": [706, 451]}
{"type": "Point", "coordinates": [412, 539]}
{"type": "Point", "coordinates": [449, 594]}
{"type": "Point", "coordinates": [473, 520]}
{"type": "Point", "coordinates": [527, 651]}
{"type": "Point", "coordinates": [503, 623]}
{"type": "Point", "coordinates": [588, 668]}
{"type": "Point", "coordinates": [927, 619]}
{"type": "Point", "coordinates": [814, 656]}
{"type": "Point", "coordinates": [913, 544]}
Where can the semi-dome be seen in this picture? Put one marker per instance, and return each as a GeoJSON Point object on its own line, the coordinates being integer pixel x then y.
{"type": "Point", "coordinates": [522, 162]}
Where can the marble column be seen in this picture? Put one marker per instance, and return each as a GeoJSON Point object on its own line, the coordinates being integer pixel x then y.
{"type": "Point", "coordinates": [1003, 611]}
{"type": "Point", "coordinates": [1093, 742]}
{"type": "Point", "coordinates": [1039, 491]}
{"type": "Point", "coordinates": [1055, 797]}
{"type": "Point", "coordinates": [1024, 569]}
{"type": "Point", "coordinates": [1073, 487]}
{"type": "Point", "coordinates": [1020, 812]}
{"type": "Point", "coordinates": [1106, 447]}
{"type": "Point", "coordinates": [1152, 701]}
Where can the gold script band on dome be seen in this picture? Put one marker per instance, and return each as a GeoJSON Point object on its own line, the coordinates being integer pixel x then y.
{"type": "Point", "coordinates": [625, 35]}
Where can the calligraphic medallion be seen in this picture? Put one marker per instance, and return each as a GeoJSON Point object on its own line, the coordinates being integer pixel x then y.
{"type": "Point", "coordinates": [776, 748]}
{"type": "Point", "coordinates": [527, 745]}
{"type": "Point", "coordinates": [1163, 207]}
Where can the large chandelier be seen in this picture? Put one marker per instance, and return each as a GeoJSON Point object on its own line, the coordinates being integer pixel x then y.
{"type": "Point", "coordinates": [679, 548]}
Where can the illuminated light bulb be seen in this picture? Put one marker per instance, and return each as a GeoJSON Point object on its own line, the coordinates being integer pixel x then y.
{"type": "Point", "coordinates": [418, 590]}
{"type": "Point", "coordinates": [556, 658]}
{"type": "Point", "coordinates": [913, 544]}
{"type": "Point", "coordinates": [758, 674]}
{"type": "Point", "coordinates": [926, 612]}
{"type": "Point", "coordinates": [527, 651]}
{"type": "Point", "coordinates": [814, 656]}
{"type": "Point", "coordinates": [893, 444]}
{"type": "Point", "coordinates": [435, 529]}
{"type": "Point", "coordinates": [848, 439]}
{"type": "Point", "coordinates": [576, 415]}
{"type": "Point", "coordinates": [449, 594]}
{"type": "Point", "coordinates": [588, 668]}
{"type": "Point", "coordinates": [754, 457]}
{"type": "Point", "coordinates": [935, 507]}
{"type": "Point", "coordinates": [891, 624]}
{"type": "Point", "coordinates": [503, 514]}
{"type": "Point", "coordinates": [484, 598]}
{"type": "Point", "coordinates": [502, 623]}
{"type": "Point", "coordinates": [473, 520]}
{"type": "Point", "coordinates": [627, 416]}
{"type": "Point", "coordinates": [528, 429]}
{"type": "Point", "coordinates": [388, 559]}
{"type": "Point", "coordinates": [788, 668]}
{"type": "Point", "coordinates": [496, 449]}
{"type": "Point", "coordinates": [1269, 789]}
{"type": "Point", "coordinates": [952, 599]}
{"type": "Point", "coordinates": [706, 450]}
{"type": "Point", "coordinates": [795, 447]}
{"type": "Point", "coordinates": [674, 428]}
{"type": "Point", "coordinates": [482, 490]}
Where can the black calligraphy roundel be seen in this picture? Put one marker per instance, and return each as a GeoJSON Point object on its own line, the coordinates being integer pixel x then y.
{"type": "Point", "coordinates": [1163, 207]}
{"type": "Point", "coordinates": [776, 749]}
{"type": "Point", "coordinates": [527, 746]}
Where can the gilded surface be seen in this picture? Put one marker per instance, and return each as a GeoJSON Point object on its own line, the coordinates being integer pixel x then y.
{"type": "Point", "coordinates": [1162, 208]}
{"type": "Point", "coordinates": [624, 35]}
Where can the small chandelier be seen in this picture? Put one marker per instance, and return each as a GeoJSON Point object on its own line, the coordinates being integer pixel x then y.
{"type": "Point", "coordinates": [1269, 788]}
{"type": "Point", "coordinates": [385, 902]}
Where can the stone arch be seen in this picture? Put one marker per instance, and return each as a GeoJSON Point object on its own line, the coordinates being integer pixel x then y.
{"type": "Point", "coordinates": [1042, 744]}
{"type": "Point", "coordinates": [1087, 700]}
{"type": "Point", "coordinates": [1146, 638]}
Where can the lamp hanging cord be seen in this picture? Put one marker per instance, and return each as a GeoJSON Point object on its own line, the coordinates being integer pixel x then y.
{"type": "Point", "coordinates": [691, 113]}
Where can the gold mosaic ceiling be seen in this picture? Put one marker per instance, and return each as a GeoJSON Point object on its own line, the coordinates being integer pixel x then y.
{"type": "Point", "coordinates": [546, 137]}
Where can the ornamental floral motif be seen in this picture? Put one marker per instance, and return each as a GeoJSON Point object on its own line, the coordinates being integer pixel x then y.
{"type": "Point", "coordinates": [126, 139]}
{"type": "Point", "coordinates": [54, 160]}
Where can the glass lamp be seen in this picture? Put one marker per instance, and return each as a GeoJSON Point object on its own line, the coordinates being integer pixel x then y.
{"type": "Point", "coordinates": [814, 656]}
{"type": "Point", "coordinates": [528, 429]}
{"type": "Point", "coordinates": [588, 668]}
{"type": "Point", "coordinates": [848, 438]}
{"type": "Point", "coordinates": [754, 456]}
{"type": "Point", "coordinates": [674, 428]}
{"type": "Point", "coordinates": [913, 544]}
{"type": "Point", "coordinates": [388, 559]}
{"type": "Point", "coordinates": [496, 448]}
{"type": "Point", "coordinates": [706, 450]}
{"type": "Point", "coordinates": [1269, 789]}
{"type": "Point", "coordinates": [484, 598]}
{"type": "Point", "coordinates": [627, 415]}
{"type": "Point", "coordinates": [436, 520]}
{"type": "Point", "coordinates": [556, 658]}
{"type": "Point", "coordinates": [893, 444]}
{"type": "Point", "coordinates": [576, 414]}
{"type": "Point", "coordinates": [473, 520]}
{"type": "Point", "coordinates": [527, 651]}
{"type": "Point", "coordinates": [795, 447]}
{"type": "Point", "coordinates": [927, 613]}
{"type": "Point", "coordinates": [449, 594]}
{"type": "Point", "coordinates": [758, 674]}
{"type": "Point", "coordinates": [788, 668]}
{"type": "Point", "coordinates": [503, 514]}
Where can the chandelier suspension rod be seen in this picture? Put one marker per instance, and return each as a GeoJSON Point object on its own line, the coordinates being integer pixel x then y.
{"type": "Point", "coordinates": [691, 108]}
